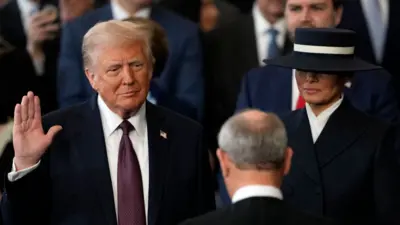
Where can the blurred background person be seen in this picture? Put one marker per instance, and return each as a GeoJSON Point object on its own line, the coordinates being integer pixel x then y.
{"type": "Point", "coordinates": [254, 158]}
{"type": "Point", "coordinates": [376, 23]}
{"type": "Point", "coordinates": [235, 48]}
{"type": "Point", "coordinates": [33, 28]}
{"type": "Point", "coordinates": [182, 78]}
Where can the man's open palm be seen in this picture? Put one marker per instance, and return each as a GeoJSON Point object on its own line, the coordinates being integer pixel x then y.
{"type": "Point", "coordinates": [30, 141]}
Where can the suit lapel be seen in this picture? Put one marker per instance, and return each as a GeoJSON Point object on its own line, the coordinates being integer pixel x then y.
{"type": "Point", "coordinates": [342, 129]}
{"type": "Point", "coordinates": [91, 148]}
{"type": "Point", "coordinates": [300, 140]}
{"type": "Point", "coordinates": [158, 159]}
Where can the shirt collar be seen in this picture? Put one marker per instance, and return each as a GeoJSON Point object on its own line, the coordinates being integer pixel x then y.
{"type": "Point", "coordinates": [250, 191]}
{"type": "Point", "coordinates": [324, 115]}
{"type": "Point", "coordinates": [262, 25]}
{"type": "Point", "coordinates": [111, 120]}
{"type": "Point", "coordinates": [120, 13]}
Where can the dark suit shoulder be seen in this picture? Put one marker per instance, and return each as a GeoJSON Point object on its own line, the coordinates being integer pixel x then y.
{"type": "Point", "coordinates": [176, 18]}
{"type": "Point", "coordinates": [258, 210]}
{"type": "Point", "coordinates": [63, 116]}
{"type": "Point", "coordinates": [176, 120]}
{"type": "Point", "coordinates": [268, 71]}
{"type": "Point", "coordinates": [83, 23]}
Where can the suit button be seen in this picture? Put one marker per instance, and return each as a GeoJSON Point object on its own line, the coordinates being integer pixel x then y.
{"type": "Point", "coordinates": [318, 191]}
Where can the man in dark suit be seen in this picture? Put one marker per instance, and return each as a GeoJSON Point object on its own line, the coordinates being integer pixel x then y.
{"type": "Point", "coordinates": [344, 163]}
{"type": "Point", "coordinates": [182, 78]}
{"type": "Point", "coordinates": [254, 157]}
{"type": "Point", "coordinates": [33, 33]}
{"type": "Point", "coordinates": [378, 31]}
{"type": "Point", "coordinates": [115, 157]}
{"type": "Point", "coordinates": [243, 43]}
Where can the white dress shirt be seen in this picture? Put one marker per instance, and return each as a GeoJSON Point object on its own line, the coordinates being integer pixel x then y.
{"type": "Point", "coordinates": [317, 123]}
{"type": "Point", "coordinates": [256, 191]}
{"type": "Point", "coordinates": [261, 26]}
{"type": "Point", "coordinates": [26, 7]}
{"type": "Point", "coordinates": [120, 13]}
{"type": "Point", "coordinates": [112, 136]}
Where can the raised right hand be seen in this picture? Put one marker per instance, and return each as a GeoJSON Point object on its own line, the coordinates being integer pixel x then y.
{"type": "Point", "coordinates": [30, 141]}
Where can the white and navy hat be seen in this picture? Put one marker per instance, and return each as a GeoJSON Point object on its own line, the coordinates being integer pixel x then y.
{"type": "Point", "coordinates": [323, 50]}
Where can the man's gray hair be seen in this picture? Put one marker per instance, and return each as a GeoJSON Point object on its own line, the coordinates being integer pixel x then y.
{"type": "Point", "coordinates": [254, 140]}
{"type": "Point", "coordinates": [115, 33]}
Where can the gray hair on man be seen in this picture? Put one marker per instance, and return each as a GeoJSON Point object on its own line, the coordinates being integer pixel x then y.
{"type": "Point", "coordinates": [115, 33]}
{"type": "Point", "coordinates": [254, 140]}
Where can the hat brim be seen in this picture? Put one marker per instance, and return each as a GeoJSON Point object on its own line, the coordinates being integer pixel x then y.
{"type": "Point", "coordinates": [321, 63]}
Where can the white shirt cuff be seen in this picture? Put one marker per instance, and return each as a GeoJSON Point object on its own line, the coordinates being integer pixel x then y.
{"type": "Point", "coordinates": [15, 175]}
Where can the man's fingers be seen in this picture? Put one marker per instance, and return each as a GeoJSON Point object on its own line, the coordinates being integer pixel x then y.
{"type": "Point", "coordinates": [17, 115]}
{"type": "Point", "coordinates": [50, 28]}
{"type": "Point", "coordinates": [24, 108]}
{"type": "Point", "coordinates": [31, 105]}
{"type": "Point", "coordinates": [38, 113]}
{"type": "Point", "coordinates": [53, 131]}
{"type": "Point", "coordinates": [42, 18]}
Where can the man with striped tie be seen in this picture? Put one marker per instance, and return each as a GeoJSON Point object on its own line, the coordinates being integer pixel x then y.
{"type": "Point", "coordinates": [274, 89]}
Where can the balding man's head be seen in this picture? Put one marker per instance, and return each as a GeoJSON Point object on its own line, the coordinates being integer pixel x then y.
{"type": "Point", "coordinates": [254, 140]}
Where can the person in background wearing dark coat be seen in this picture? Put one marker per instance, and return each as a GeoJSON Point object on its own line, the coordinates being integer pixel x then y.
{"type": "Point", "coordinates": [254, 157]}
{"type": "Point", "coordinates": [376, 23]}
{"type": "Point", "coordinates": [344, 162]}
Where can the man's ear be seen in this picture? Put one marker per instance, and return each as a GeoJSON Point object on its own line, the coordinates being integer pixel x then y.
{"type": "Point", "coordinates": [288, 160]}
{"type": "Point", "coordinates": [338, 15]}
{"type": "Point", "coordinates": [222, 158]}
{"type": "Point", "coordinates": [90, 76]}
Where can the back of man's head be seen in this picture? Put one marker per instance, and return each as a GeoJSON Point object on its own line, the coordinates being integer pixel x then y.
{"type": "Point", "coordinates": [253, 149]}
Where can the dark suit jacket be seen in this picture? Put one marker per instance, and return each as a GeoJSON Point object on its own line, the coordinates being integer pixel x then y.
{"type": "Point", "coordinates": [19, 66]}
{"type": "Point", "coordinates": [72, 184]}
{"type": "Point", "coordinates": [257, 211]}
{"type": "Point", "coordinates": [231, 51]}
{"type": "Point", "coordinates": [349, 174]}
{"type": "Point", "coordinates": [354, 19]}
{"type": "Point", "coordinates": [270, 89]}
{"type": "Point", "coordinates": [179, 87]}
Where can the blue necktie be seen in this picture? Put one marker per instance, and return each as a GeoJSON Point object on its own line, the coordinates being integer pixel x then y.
{"type": "Point", "coordinates": [377, 28]}
{"type": "Point", "coordinates": [273, 49]}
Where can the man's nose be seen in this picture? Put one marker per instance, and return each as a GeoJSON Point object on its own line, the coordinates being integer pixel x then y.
{"type": "Point", "coordinates": [305, 16]}
{"type": "Point", "coordinates": [128, 76]}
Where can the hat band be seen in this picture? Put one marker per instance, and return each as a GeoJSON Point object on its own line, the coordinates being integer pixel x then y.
{"type": "Point", "coordinates": [332, 50]}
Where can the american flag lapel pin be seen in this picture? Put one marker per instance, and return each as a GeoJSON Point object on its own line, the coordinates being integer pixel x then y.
{"type": "Point", "coordinates": [163, 134]}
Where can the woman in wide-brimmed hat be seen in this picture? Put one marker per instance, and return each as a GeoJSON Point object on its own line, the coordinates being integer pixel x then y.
{"type": "Point", "coordinates": [344, 163]}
